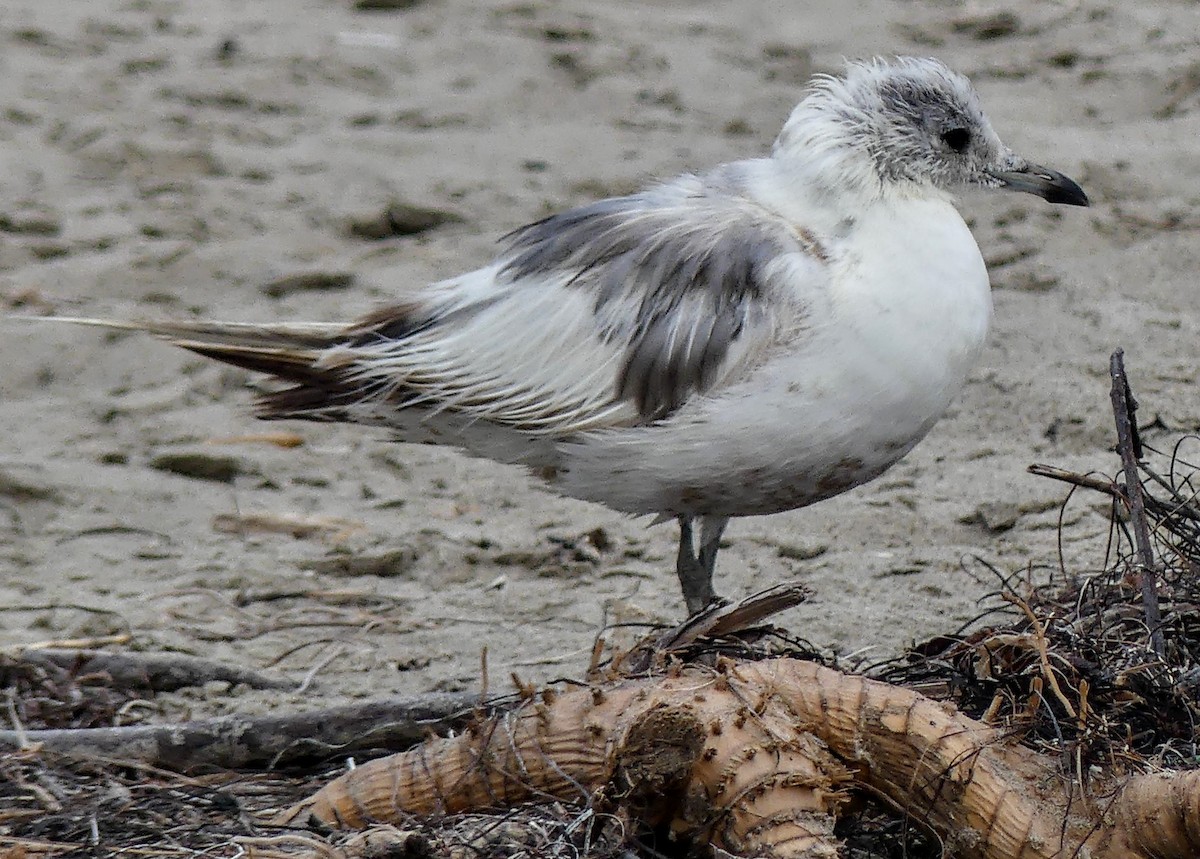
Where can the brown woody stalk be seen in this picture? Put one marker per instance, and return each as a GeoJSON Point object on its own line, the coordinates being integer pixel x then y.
{"type": "Point", "coordinates": [687, 750]}
{"type": "Point", "coordinates": [757, 759]}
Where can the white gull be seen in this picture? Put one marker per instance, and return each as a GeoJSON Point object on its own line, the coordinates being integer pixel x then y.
{"type": "Point", "coordinates": [746, 341]}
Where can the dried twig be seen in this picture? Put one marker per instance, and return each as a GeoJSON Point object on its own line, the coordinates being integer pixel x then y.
{"type": "Point", "coordinates": [239, 741]}
{"type": "Point", "coordinates": [87, 643]}
{"type": "Point", "coordinates": [1087, 481]}
{"type": "Point", "coordinates": [333, 653]}
{"type": "Point", "coordinates": [1039, 637]}
{"type": "Point", "coordinates": [1129, 447]}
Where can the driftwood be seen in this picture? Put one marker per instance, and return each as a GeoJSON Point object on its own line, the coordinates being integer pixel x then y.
{"type": "Point", "coordinates": [156, 672]}
{"type": "Point", "coordinates": [758, 759]}
{"type": "Point", "coordinates": [240, 741]}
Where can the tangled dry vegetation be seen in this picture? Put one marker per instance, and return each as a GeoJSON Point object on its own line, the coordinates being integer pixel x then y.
{"type": "Point", "coordinates": [1065, 726]}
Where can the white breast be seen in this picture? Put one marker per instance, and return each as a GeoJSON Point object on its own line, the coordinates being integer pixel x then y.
{"type": "Point", "coordinates": [873, 366]}
{"type": "Point", "coordinates": [911, 309]}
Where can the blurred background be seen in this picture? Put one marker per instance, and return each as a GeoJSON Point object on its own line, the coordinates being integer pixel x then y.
{"type": "Point", "coordinates": [308, 160]}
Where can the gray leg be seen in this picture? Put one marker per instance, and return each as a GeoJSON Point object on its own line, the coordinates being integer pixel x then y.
{"type": "Point", "coordinates": [694, 576]}
{"type": "Point", "coordinates": [711, 529]}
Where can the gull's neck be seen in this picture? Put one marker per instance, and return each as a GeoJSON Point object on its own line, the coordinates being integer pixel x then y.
{"type": "Point", "coordinates": [814, 171]}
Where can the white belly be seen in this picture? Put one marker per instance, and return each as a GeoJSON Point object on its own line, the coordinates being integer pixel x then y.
{"type": "Point", "coordinates": [884, 352]}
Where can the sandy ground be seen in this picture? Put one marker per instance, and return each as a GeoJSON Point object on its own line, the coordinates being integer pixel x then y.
{"type": "Point", "coordinates": [163, 158]}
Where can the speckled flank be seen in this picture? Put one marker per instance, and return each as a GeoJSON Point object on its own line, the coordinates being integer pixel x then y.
{"type": "Point", "coordinates": [811, 244]}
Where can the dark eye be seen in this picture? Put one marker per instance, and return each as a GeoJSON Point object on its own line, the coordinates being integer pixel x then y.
{"type": "Point", "coordinates": [957, 139]}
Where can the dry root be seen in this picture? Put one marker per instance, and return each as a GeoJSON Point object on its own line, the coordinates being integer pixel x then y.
{"type": "Point", "coordinates": [758, 759]}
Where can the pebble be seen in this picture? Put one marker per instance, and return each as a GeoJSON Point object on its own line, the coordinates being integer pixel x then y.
{"type": "Point", "coordinates": [307, 281]}
{"type": "Point", "coordinates": [200, 465]}
{"type": "Point", "coordinates": [399, 219]}
{"type": "Point", "coordinates": [996, 516]}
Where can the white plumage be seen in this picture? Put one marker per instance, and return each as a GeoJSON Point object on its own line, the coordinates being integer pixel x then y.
{"type": "Point", "coordinates": [746, 341]}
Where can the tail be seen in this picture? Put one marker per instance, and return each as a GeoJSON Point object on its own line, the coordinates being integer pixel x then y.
{"type": "Point", "coordinates": [306, 355]}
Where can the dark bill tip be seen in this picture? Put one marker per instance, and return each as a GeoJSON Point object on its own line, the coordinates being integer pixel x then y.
{"type": "Point", "coordinates": [1050, 185]}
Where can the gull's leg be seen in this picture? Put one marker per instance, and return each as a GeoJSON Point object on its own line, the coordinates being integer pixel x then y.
{"type": "Point", "coordinates": [711, 529]}
{"type": "Point", "coordinates": [695, 580]}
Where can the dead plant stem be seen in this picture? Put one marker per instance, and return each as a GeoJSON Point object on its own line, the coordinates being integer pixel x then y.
{"type": "Point", "coordinates": [1123, 408]}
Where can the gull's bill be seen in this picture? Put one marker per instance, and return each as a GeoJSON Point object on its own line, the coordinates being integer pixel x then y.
{"type": "Point", "coordinates": [1050, 185]}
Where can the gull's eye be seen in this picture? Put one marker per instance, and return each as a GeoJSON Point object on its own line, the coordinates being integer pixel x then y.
{"type": "Point", "coordinates": [957, 139]}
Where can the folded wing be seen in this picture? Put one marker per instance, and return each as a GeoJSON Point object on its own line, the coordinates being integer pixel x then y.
{"type": "Point", "coordinates": [612, 314]}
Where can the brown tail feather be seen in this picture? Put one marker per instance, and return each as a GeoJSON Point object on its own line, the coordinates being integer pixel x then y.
{"type": "Point", "coordinates": [287, 365]}
{"type": "Point", "coordinates": [320, 393]}
{"type": "Point", "coordinates": [309, 403]}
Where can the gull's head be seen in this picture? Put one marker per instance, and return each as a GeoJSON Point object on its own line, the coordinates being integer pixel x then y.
{"type": "Point", "coordinates": [910, 124]}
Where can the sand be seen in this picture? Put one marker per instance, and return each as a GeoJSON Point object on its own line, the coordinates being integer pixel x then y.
{"type": "Point", "coordinates": [164, 159]}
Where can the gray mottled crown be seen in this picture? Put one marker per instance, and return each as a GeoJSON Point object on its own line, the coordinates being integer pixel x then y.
{"type": "Point", "coordinates": [911, 119]}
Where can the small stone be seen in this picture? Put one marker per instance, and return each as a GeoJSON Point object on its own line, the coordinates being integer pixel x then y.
{"type": "Point", "coordinates": [143, 65]}
{"type": "Point", "coordinates": [413, 663]}
{"type": "Point", "coordinates": [227, 50]}
{"type": "Point", "coordinates": [997, 25]}
{"type": "Point", "coordinates": [737, 127]}
{"type": "Point", "coordinates": [1064, 59]}
{"type": "Point", "coordinates": [801, 551]}
{"type": "Point", "coordinates": [901, 570]}
{"type": "Point", "coordinates": [385, 5]}
{"type": "Point", "coordinates": [200, 465]}
{"type": "Point", "coordinates": [30, 224]}
{"type": "Point", "coordinates": [576, 67]}
{"type": "Point", "coordinates": [389, 564]}
{"type": "Point", "coordinates": [1038, 279]}
{"type": "Point", "coordinates": [996, 516]}
{"type": "Point", "coordinates": [307, 281]}
{"type": "Point", "coordinates": [1008, 254]}
{"type": "Point", "coordinates": [399, 219]}
{"type": "Point", "coordinates": [20, 490]}
{"type": "Point", "coordinates": [568, 34]}
{"type": "Point", "coordinates": [49, 250]}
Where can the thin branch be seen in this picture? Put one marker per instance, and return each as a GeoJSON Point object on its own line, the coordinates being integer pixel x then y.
{"type": "Point", "coordinates": [231, 742]}
{"type": "Point", "coordinates": [1129, 446]}
{"type": "Point", "coordinates": [1185, 507]}
{"type": "Point", "coordinates": [1087, 481]}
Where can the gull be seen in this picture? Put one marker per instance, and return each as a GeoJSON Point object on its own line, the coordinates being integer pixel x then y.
{"type": "Point", "coordinates": [738, 342]}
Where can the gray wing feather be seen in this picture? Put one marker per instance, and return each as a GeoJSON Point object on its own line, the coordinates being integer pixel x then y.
{"type": "Point", "coordinates": [690, 260]}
